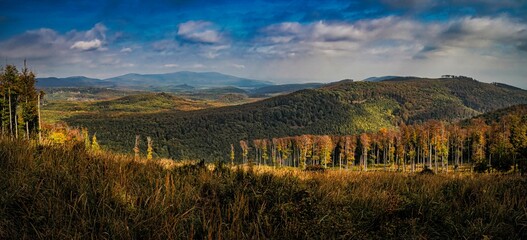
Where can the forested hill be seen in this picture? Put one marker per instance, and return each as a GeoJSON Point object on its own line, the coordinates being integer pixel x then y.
{"type": "Point", "coordinates": [340, 108]}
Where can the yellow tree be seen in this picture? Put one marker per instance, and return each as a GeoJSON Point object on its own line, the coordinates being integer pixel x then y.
{"type": "Point", "coordinates": [136, 147]}
{"type": "Point", "coordinates": [257, 148]}
{"type": "Point", "coordinates": [518, 139]}
{"type": "Point", "coordinates": [350, 143]}
{"type": "Point", "coordinates": [501, 148]}
{"type": "Point", "coordinates": [305, 145]}
{"type": "Point", "coordinates": [365, 144]}
{"type": "Point", "coordinates": [232, 154]}
{"type": "Point", "coordinates": [245, 150]}
{"type": "Point", "coordinates": [265, 154]}
{"type": "Point", "coordinates": [94, 144]}
{"type": "Point", "coordinates": [478, 129]}
{"type": "Point", "coordinates": [325, 145]}
{"type": "Point", "coordinates": [150, 148]}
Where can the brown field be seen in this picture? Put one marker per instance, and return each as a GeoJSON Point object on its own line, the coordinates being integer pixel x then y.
{"type": "Point", "coordinates": [71, 193]}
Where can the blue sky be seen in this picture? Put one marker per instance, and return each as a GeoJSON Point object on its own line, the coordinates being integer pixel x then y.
{"type": "Point", "coordinates": [281, 41]}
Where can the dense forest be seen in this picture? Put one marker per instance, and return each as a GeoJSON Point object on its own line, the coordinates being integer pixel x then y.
{"type": "Point", "coordinates": [497, 140]}
{"type": "Point", "coordinates": [342, 108]}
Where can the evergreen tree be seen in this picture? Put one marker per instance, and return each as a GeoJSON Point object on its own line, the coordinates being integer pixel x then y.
{"type": "Point", "coordinates": [18, 101]}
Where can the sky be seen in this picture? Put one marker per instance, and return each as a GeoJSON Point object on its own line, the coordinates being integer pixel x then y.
{"type": "Point", "coordinates": [280, 41]}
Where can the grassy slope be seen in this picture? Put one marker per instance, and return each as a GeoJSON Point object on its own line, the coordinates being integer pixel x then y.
{"type": "Point", "coordinates": [56, 110]}
{"type": "Point", "coordinates": [50, 192]}
{"type": "Point", "coordinates": [339, 108]}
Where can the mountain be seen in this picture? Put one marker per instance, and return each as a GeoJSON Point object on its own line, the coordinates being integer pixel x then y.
{"type": "Point", "coordinates": [284, 88]}
{"type": "Point", "coordinates": [178, 81]}
{"type": "Point", "coordinates": [340, 108]}
{"type": "Point", "coordinates": [379, 79]}
{"type": "Point", "coordinates": [503, 85]}
{"type": "Point", "coordinates": [78, 81]}
{"type": "Point", "coordinates": [195, 79]}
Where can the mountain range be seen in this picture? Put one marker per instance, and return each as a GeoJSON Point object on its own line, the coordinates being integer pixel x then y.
{"type": "Point", "coordinates": [344, 107]}
{"type": "Point", "coordinates": [178, 80]}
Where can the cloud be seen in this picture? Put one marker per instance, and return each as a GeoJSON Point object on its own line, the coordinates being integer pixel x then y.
{"type": "Point", "coordinates": [171, 65]}
{"type": "Point", "coordinates": [165, 46]}
{"type": "Point", "coordinates": [288, 39]}
{"type": "Point", "coordinates": [392, 37]}
{"type": "Point", "coordinates": [199, 32]}
{"type": "Point", "coordinates": [197, 66]}
{"type": "Point", "coordinates": [489, 36]}
{"type": "Point", "coordinates": [97, 32]}
{"type": "Point", "coordinates": [238, 66]}
{"type": "Point", "coordinates": [476, 8]}
{"type": "Point", "coordinates": [40, 43]}
{"type": "Point", "coordinates": [126, 50]}
{"type": "Point", "coordinates": [87, 45]}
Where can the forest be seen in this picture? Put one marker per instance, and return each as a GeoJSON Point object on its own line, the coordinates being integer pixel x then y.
{"type": "Point", "coordinates": [338, 109]}
{"type": "Point", "coordinates": [493, 141]}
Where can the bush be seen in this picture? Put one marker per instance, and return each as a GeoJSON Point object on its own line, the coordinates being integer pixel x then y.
{"type": "Point", "coordinates": [315, 168]}
{"type": "Point", "coordinates": [426, 171]}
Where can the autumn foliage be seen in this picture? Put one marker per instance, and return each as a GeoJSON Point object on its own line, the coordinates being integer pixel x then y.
{"type": "Point", "coordinates": [474, 145]}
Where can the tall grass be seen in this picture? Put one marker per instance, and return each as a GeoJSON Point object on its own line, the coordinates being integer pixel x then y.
{"type": "Point", "coordinates": [69, 193]}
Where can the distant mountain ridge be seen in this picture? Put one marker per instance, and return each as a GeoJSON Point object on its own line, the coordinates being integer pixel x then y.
{"type": "Point", "coordinates": [380, 79]}
{"type": "Point", "coordinates": [195, 79]}
{"type": "Point", "coordinates": [176, 80]}
{"type": "Point", "coordinates": [75, 81]}
{"type": "Point", "coordinates": [285, 88]}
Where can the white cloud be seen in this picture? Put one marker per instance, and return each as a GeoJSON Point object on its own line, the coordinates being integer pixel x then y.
{"type": "Point", "coordinates": [126, 50]}
{"type": "Point", "coordinates": [197, 66]}
{"type": "Point", "coordinates": [97, 32]}
{"type": "Point", "coordinates": [128, 65]}
{"type": "Point", "coordinates": [199, 32]}
{"type": "Point", "coordinates": [87, 45]}
{"type": "Point", "coordinates": [392, 37]}
{"type": "Point", "coordinates": [238, 66]}
{"type": "Point", "coordinates": [171, 65]}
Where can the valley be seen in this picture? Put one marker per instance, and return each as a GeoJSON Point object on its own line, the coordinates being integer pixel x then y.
{"type": "Point", "coordinates": [340, 108]}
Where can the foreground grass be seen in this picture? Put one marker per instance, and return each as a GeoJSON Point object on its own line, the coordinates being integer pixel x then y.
{"type": "Point", "coordinates": [49, 192]}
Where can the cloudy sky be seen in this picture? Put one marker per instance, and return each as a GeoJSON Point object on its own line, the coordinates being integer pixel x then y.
{"type": "Point", "coordinates": [282, 41]}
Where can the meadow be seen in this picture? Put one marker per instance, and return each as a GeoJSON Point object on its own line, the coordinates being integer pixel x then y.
{"type": "Point", "coordinates": [67, 192]}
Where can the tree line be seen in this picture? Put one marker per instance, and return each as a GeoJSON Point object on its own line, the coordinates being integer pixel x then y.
{"type": "Point", "coordinates": [19, 102]}
{"type": "Point", "coordinates": [436, 145]}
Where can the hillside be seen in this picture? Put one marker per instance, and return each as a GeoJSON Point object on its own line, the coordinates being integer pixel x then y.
{"type": "Point", "coordinates": [495, 116]}
{"type": "Point", "coordinates": [340, 108]}
{"type": "Point", "coordinates": [148, 102]}
{"type": "Point", "coordinates": [57, 108]}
